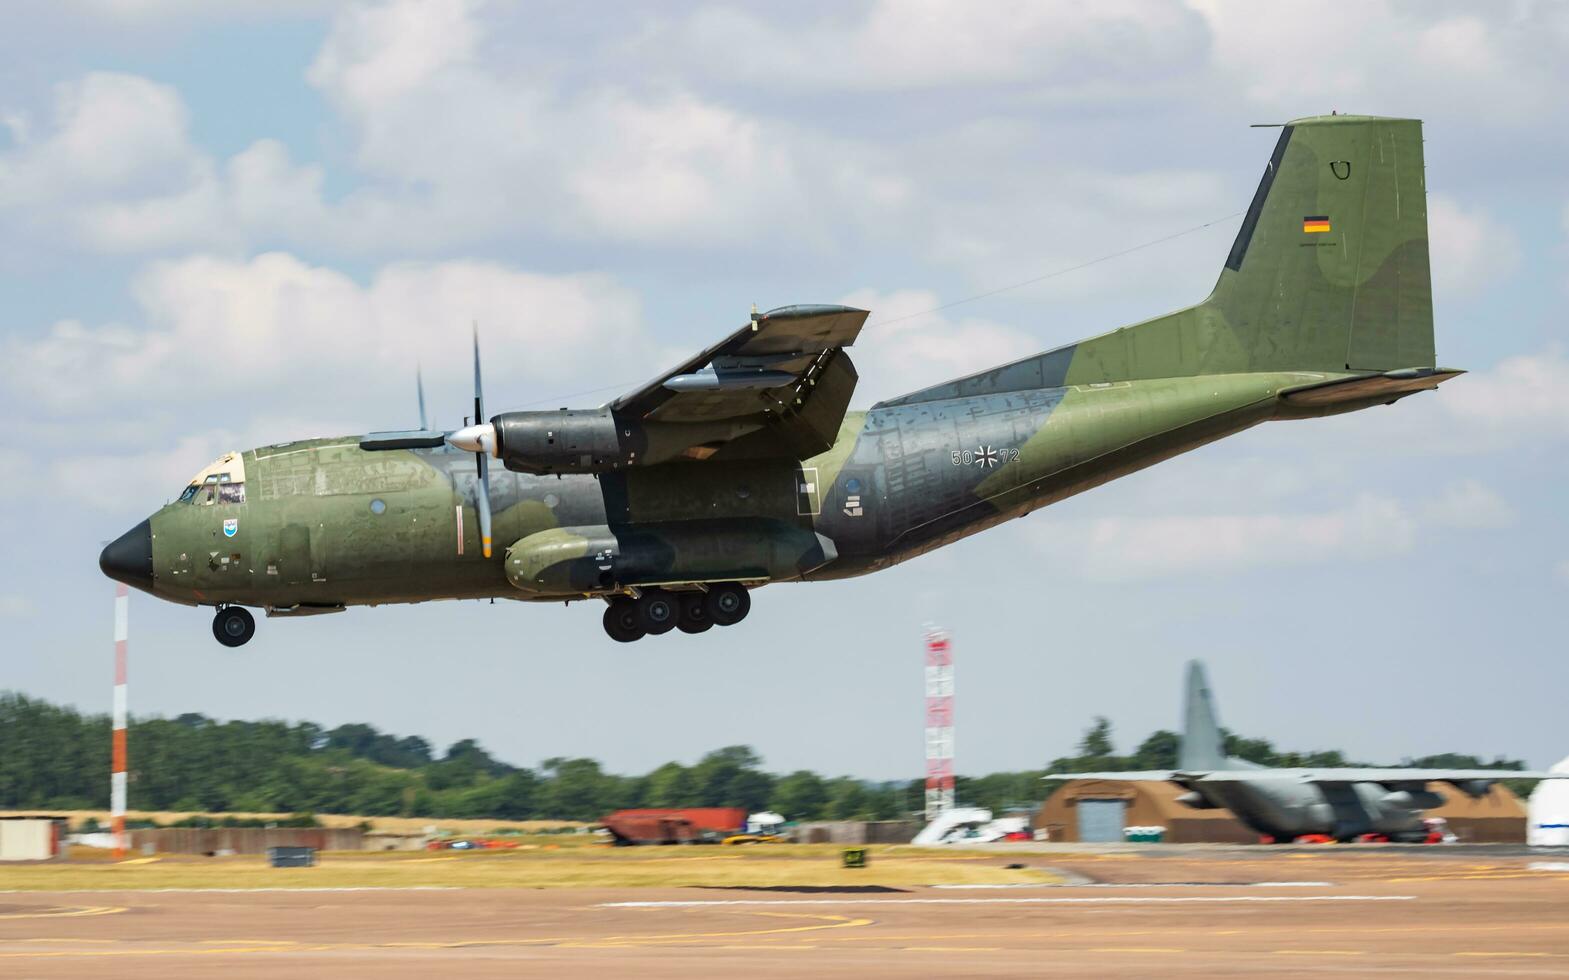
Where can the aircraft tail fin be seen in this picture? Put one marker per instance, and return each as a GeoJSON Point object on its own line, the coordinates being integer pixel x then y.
{"type": "Point", "coordinates": [1202, 745]}
{"type": "Point", "coordinates": [1328, 273]}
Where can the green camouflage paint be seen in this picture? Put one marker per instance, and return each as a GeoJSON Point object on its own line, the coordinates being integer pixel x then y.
{"type": "Point", "coordinates": [1323, 305]}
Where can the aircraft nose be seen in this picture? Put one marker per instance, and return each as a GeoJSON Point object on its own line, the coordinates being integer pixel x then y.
{"type": "Point", "coordinates": [129, 558]}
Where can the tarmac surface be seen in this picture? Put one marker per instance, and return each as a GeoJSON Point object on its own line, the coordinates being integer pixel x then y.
{"type": "Point", "coordinates": [1237, 912]}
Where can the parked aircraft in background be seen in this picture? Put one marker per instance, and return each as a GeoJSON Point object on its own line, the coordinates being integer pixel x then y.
{"type": "Point", "coordinates": [1289, 803]}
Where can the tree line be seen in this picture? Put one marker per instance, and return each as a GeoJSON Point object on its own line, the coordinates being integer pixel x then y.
{"type": "Point", "coordinates": [55, 758]}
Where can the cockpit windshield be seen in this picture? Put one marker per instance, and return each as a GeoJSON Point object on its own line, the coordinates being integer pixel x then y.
{"type": "Point", "coordinates": [222, 482]}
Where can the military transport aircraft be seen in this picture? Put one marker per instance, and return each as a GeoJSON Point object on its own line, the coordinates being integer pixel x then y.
{"type": "Point", "coordinates": [742, 465]}
{"type": "Point", "coordinates": [1343, 803]}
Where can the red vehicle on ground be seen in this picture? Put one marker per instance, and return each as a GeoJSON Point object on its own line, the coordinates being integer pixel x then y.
{"type": "Point", "coordinates": [691, 825]}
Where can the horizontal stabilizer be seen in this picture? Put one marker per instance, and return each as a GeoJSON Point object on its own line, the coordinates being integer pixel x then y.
{"type": "Point", "coordinates": [1328, 776]}
{"type": "Point", "coordinates": [1387, 386]}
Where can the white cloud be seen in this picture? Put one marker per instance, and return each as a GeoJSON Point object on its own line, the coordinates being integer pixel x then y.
{"type": "Point", "coordinates": [1494, 63]}
{"type": "Point", "coordinates": [137, 11]}
{"type": "Point", "coordinates": [1520, 397]}
{"type": "Point", "coordinates": [927, 44]}
{"type": "Point", "coordinates": [220, 334]}
{"type": "Point", "coordinates": [1471, 249]}
{"type": "Point", "coordinates": [381, 53]}
{"type": "Point", "coordinates": [468, 140]}
{"type": "Point", "coordinates": [904, 347]}
{"type": "Point", "coordinates": [1468, 504]}
{"type": "Point", "coordinates": [14, 470]}
{"type": "Point", "coordinates": [652, 170]}
{"type": "Point", "coordinates": [1120, 549]}
{"type": "Point", "coordinates": [110, 133]}
{"type": "Point", "coordinates": [114, 169]}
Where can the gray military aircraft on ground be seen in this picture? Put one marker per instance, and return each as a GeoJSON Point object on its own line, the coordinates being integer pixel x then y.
{"type": "Point", "coordinates": [1289, 803]}
{"type": "Point", "coordinates": [743, 466]}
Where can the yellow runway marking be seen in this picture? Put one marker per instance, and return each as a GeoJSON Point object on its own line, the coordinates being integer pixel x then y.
{"type": "Point", "coordinates": [64, 940]}
{"type": "Point", "coordinates": [253, 942]}
{"type": "Point", "coordinates": [1494, 876]}
{"type": "Point", "coordinates": [66, 912]}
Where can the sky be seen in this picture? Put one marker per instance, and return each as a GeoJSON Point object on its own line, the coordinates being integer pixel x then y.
{"type": "Point", "coordinates": [225, 224]}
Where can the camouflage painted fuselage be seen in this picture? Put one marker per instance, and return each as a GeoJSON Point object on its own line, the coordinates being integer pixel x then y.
{"type": "Point", "coordinates": [1323, 306]}
{"type": "Point", "coordinates": [326, 523]}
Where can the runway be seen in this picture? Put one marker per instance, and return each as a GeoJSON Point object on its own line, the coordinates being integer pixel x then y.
{"type": "Point", "coordinates": [1316, 914]}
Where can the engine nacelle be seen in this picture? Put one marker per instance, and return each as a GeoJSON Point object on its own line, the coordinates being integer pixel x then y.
{"type": "Point", "coordinates": [586, 441]}
{"type": "Point", "coordinates": [595, 560]}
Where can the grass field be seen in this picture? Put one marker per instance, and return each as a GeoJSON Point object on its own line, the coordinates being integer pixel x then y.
{"type": "Point", "coordinates": [402, 825]}
{"type": "Point", "coordinates": [541, 864]}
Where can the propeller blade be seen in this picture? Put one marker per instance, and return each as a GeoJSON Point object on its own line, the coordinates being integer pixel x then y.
{"type": "Point", "coordinates": [419, 386]}
{"type": "Point", "coordinates": [482, 503]}
{"type": "Point", "coordinates": [485, 444]}
{"type": "Point", "coordinates": [479, 391]}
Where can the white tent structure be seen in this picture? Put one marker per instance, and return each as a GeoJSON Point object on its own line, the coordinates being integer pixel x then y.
{"type": "Point", "coordinates": [1547, 820]}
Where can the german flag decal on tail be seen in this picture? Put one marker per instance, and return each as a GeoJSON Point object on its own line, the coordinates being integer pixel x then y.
{"type": "Point", "coordinates": [1314, 223]}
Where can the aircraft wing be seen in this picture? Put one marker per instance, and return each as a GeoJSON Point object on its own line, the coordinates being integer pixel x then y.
{"type": "Point", "coordinates": [1146, 775]}
{"type": "Point", "coordinates": [777, 386]}
{"type": "Point", "coordinates": [1379, 775]}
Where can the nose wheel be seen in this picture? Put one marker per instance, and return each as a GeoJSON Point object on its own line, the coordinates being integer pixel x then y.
{"type": "Point", "coordinates": [234, 626]}
{"type": "Point", "coordinates": [657, 611]}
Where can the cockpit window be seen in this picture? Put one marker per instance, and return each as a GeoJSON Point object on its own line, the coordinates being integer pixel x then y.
{"type": "Point", "coordinates": [223, 482]}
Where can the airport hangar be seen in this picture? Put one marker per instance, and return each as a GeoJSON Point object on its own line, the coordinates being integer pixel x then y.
{"type": "Point", "coordinates": [1101, 810]}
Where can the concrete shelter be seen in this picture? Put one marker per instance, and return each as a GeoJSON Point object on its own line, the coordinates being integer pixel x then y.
{"type": "Point", "coordinates": [1098, 810]}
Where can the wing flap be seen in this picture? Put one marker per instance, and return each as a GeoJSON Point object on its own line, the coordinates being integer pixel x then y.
{"type": "Point", "coordinates": [783, 382]}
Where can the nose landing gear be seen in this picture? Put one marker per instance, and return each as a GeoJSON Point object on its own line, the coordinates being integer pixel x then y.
{"type": "Point", "coordinates": [233, 626]}
{"type": "Point", "coordinates": [657, 611]}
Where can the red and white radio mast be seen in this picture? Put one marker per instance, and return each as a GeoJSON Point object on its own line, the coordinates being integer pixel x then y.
{"type": "Point", "coordinates": [939, 723]}
{"type": "Point", "coordinates": [122, 602]}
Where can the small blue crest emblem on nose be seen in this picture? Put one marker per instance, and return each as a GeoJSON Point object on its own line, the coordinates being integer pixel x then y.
{"type": "Point", "coordinates": [231, 527]}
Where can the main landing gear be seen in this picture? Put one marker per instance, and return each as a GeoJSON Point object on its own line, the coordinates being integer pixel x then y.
{"type": "Point", "coordinates": [657, 611]}
{"type": "Point", "coordinates": [233, 626]}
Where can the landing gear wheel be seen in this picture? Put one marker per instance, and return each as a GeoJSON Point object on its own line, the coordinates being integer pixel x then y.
{"type": "Point", "coordinates": [656, 612]}
{"type": "Point", "coordinates": [728, 604]}
{"type": "Point", "coordinates": [621, 621]}
{"type": "Point", "coordinates": [234, 626]}
{"type": "Point", "coordinates": [693, 616]}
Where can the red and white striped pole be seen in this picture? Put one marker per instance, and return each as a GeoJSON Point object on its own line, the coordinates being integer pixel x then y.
{"type": "Point", "coordinates": [122, 602]}
{"type": "Point", "coordinates": [939, 723]}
